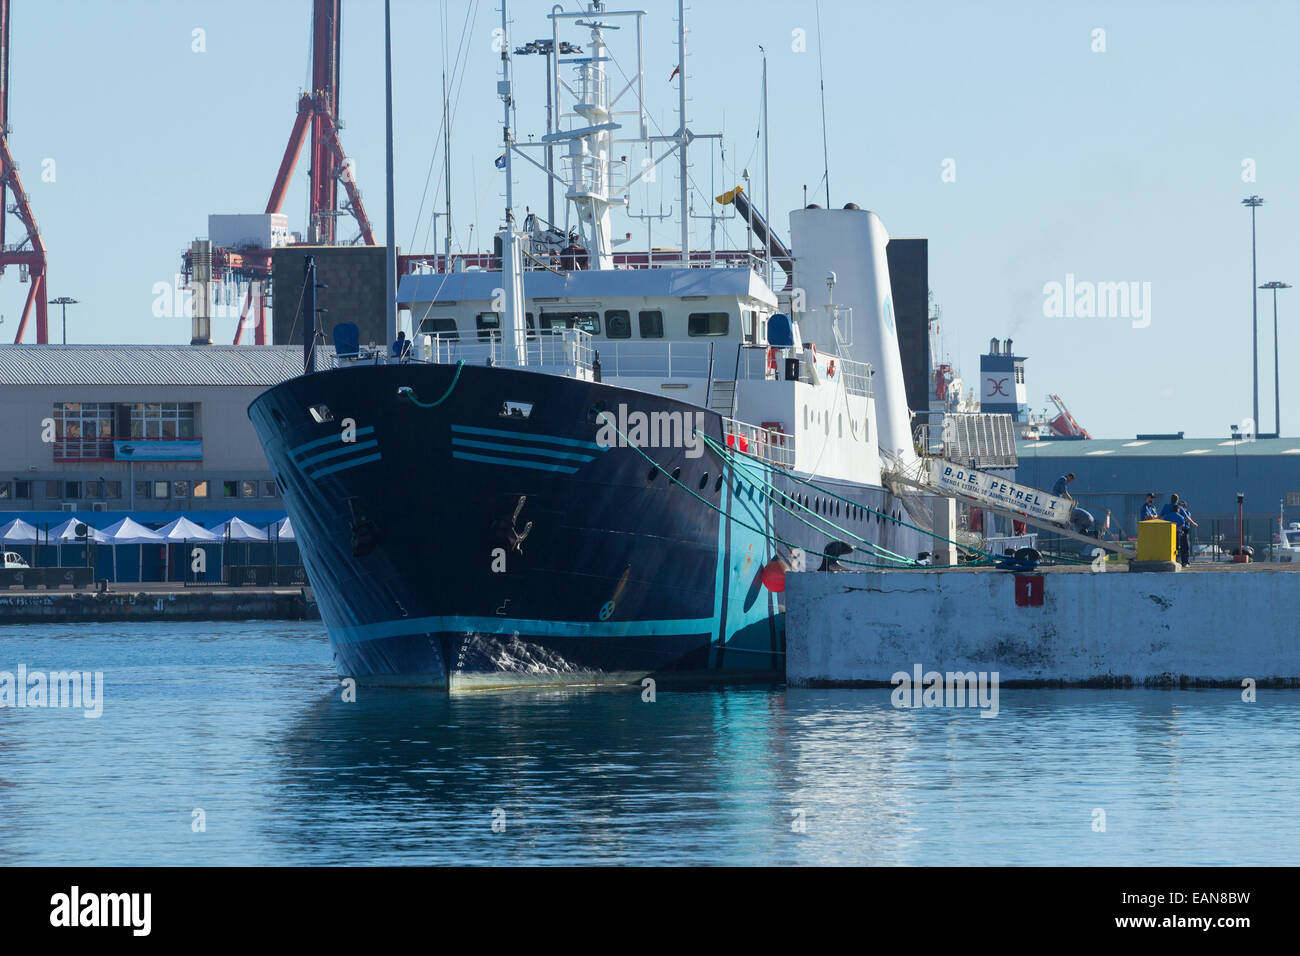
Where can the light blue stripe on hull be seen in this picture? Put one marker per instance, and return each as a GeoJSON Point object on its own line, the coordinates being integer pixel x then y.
{"type": "Point", "coordinates": [506, 625]}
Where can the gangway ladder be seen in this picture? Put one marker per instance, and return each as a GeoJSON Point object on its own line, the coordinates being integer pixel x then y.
{"type": "Point", "coordinates": [722, 397]}
{"type": "Point", "coordinates": [1065, 532]}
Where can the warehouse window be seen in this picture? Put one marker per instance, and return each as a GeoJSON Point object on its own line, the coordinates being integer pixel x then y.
{"type": "Point", "coordinates": [200, 489]}
{"type": "Point", "coordinates": [162, 420]}
{"type": "Point", "coordinates": [230, 489]}
{"type": "Point", "coordinates": [83, 431]}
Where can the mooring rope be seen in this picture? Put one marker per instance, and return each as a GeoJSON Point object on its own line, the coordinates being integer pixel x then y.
{"type": "Point", "coordinates": [888, 517]}
{"type": "Point", "coordinates": [409, 393]}
{"type": "Point", "coordinates": [608, 418]}
{"type": "Point", "coordinates": [778, 498]}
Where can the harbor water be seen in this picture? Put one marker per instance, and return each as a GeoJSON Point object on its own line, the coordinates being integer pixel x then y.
{"type": "Point", "coordinates": [231, 743]}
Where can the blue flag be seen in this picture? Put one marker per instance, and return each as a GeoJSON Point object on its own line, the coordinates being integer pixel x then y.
{"type": "Point", "coordinates": [501, 161]}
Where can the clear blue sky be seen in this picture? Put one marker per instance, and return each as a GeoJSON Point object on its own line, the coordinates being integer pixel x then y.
{"type": "Point", "coordinates": [1117, 166]}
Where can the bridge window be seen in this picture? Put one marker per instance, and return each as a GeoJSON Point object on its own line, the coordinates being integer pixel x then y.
{"type": "Point", "coordinates": [588, 322]}
{"type": "Point", "coordinates": [443, 327]}
{"type": "Point", "coordinates": [708, 323]}
{"type": "Point", "coordinates": [651, 323]}
{"type": "Point", "coordinates": [618, 324]}
{"type": "Point", "coordinates": [489, 324]}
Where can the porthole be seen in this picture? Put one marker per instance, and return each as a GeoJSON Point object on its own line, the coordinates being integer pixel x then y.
{"type": "Point", "coordinates": [717, 485]}
{"type": "Point", "coordinates": [654, 473]}
{"type": "Point", "coordinates": [704, 481]}
{"type": "Point", "coordinates": [677, 473]}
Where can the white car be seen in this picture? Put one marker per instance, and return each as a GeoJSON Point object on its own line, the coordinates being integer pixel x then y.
{"type": "Point", "coordinates": [13, 560]}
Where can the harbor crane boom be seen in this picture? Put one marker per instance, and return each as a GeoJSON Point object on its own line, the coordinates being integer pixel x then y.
{"type": "Point", "coordinates": [316, 121]}
{"type": "Point", "coordinates": [28, 255]}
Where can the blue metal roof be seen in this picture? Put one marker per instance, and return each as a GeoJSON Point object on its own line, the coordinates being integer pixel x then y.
{"type": "Point", "coordinates": [1158, 448]}
{"type": "Point", "coordinates": [259, 365]}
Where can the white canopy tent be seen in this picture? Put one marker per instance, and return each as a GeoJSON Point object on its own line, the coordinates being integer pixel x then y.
{"type": "Point", "coordinates": [183, 531]}
{"type": "Point", "coordinates": [237, 529]}
{"type": "Point", "coordinates": [285, 532]}
{"type": "Point", "coordinates": [67, 532]}
{"type": "Point", "coordinates": [130, 531]}
{"type": "Point", "coordinates": [19, 531]}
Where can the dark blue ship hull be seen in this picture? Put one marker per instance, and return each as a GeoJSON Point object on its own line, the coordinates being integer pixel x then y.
{"type": "Point", "coordinates": [455, 546]}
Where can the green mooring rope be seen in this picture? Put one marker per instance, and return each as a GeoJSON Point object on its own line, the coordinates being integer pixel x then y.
{"type": "Point", "coordinates": [410, 392]}
{"type": "Point", "coordinates": [608, 419]}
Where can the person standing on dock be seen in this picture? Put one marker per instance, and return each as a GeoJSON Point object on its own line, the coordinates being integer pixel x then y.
{"type": "Point", "coordinates": [1061, 488]}
{"type": "Point", "coordinates": [1149, 509]}
{"type": "Point", "coordinates": [1174, 515]}
{"type": "Point", "coordinates": [1188, 530]}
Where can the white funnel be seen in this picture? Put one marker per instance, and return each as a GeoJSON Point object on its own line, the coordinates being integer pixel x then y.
{"type": "Point", "coordinates": [851, 243]}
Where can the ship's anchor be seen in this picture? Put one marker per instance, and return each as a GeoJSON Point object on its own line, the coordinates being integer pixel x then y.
{"type": "Point", "coordinates": [508, 533]}
{"type": "Point", "coordinates": [364, 533]}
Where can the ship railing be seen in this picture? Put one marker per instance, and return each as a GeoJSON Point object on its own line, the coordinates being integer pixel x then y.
{"type": "Point", "coordinates": [856, 376]}
{"type": "Point", "coordinates": [662, 360]}
{"type": "Point", "coordinates": [755, 364]}
{"type": "Point", "coordinates": [566, 351]}
{"type": "Point", "coordinates": [768, 444]}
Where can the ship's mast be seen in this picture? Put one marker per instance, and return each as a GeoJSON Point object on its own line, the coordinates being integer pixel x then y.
{"type": "Point", "coordinates": [513, 332]}
{"type": "Point", "coordinates": [684, 136]}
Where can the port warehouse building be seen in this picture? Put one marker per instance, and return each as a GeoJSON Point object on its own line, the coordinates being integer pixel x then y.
{"type": "Point", "coordinates": [1116, 474]}
{"type": "Point", "coordinates": [153, 432]}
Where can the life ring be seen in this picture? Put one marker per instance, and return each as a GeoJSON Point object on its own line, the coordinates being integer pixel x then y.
{"type": "Point", "coordinates": [771, 360]}
{"type": "Point", "coordinates": [830, 368]}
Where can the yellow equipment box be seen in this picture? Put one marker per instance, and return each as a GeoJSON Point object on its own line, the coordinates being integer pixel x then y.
{"type": "Point", "coordinates": [1156, 541]}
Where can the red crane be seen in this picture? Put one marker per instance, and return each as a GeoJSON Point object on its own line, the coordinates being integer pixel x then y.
{"type": "Point", "coordinates": [28, 255]}
{"type": "Point", "coordinates": [317, 115]}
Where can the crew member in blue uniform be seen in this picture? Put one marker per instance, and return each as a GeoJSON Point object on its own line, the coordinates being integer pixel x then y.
{"type": "Point", "coordinates": [402, 347]}
{"type": "Point", "coordinates": [1172, 513]}
{"type": "Point", "coordinates": [1061, 489]}
{"type": "Point", "coordinates": [1149, 512]}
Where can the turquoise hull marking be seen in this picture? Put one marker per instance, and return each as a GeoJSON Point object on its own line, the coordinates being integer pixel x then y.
{"type": "Point", "coordinates": [498, 446]}
{"type": "Point", "coordinates": [344, 465]}
{"type": "Point", "coordinates": [316, 443]}
{"type": "Point", "coordinates": [526, 437]}
{"type": "Point", "coordinates": [510, 625]}
{"type": "Point", "coordinates": [514, 463]}
{"type": "Point", "coordinates": [336, 452]}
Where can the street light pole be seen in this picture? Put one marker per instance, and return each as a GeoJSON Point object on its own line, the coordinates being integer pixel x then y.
{"type": "Point", "coordinates": [1254, 202]}
{"type": "Point", "coordinates": [65, 301]}
{"type": "Point", "coordinates": [1277, 394]}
